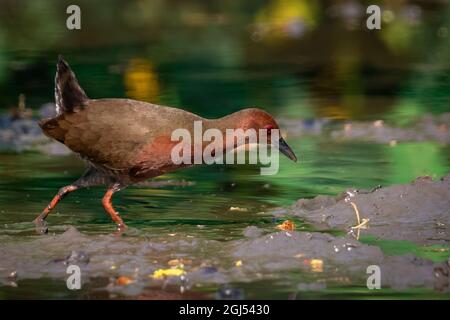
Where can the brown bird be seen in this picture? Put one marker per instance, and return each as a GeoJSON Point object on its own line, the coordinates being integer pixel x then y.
{"type": "Point", "coordinates": [126, 141]}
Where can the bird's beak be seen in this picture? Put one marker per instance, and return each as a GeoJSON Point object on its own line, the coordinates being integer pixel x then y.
{"type": "Point", "coordinates": [286, 150]}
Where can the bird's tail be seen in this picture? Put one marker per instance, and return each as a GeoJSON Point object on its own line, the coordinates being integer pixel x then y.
{"type": "Point", "coordinates": [68, 93]}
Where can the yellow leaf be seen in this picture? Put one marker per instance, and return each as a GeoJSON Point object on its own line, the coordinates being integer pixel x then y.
{"type": "Point", "coordinates": [173, 272]}
{"type": "Point", "coordinates": [315, 264]}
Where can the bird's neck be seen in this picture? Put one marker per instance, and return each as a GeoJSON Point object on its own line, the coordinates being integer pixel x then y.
{"type": "Point", "coordinates": [232, 121]}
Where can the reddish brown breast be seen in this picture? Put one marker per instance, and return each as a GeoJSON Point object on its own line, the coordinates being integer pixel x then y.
{"type": "Point", "coordinates": [154, 159]}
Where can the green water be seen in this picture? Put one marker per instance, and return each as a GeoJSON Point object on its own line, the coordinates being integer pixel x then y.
{"type": "Point", "coordinates": [205, 59]}
{"type": "Point", "coordinates": [28, 181]}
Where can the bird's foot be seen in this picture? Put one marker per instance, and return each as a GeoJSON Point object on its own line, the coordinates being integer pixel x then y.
{"type": "Point", "coordinates": [121, 227]}
{"type": "Point", "coordinates": [41, 226]}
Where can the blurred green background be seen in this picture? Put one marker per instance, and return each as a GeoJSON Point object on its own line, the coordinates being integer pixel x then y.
{"type": "Point", "coordinates": [303, 58]}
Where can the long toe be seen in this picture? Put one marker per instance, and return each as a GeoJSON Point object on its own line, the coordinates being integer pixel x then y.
{"type": "Point", "coordinates": [41, 226]}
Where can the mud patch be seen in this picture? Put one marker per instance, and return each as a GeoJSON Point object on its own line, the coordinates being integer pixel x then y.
{"type": "Point", "coordinates": [303, 259]}
{"type": "Point", "coordinates": [427, 128]}
{"type": "Point", "coordinates": [418, 211]}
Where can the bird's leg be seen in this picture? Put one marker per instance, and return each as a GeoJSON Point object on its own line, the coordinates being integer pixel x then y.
{"type": "Point", "coordinates": [107, 204]}
{"type": "Point", "coordinates": [90, 178]}
{"type": "Point", "coordinates": [41, 226]}
{"type": "Point", "coordinates": [59, 196]}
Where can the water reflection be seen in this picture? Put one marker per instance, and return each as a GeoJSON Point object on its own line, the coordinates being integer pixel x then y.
{"type": "Point", "coordinates": [141, 81]}
{"type": "Point", "coordinates": [317, 52]}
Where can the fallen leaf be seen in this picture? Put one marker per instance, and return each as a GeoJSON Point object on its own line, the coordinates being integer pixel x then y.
{"type": "Point", "coordinates": [315, 264]}
{"type": "Point", "coordinates": [124, 280]}
{"type": "Point", "coordinates": [172, 272]}
{"type": "Point", "coordinates": [286, 226]}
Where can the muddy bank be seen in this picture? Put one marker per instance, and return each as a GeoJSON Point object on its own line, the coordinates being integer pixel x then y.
{"type": "Point", "coordinates": [19, 133]}
{"type": "Point", "coordinates": [426, 128]}
{"type": "Point", "coordinates": [321, 261]}
{"type": "Point", "coordinates": [337, 260]}
{"type": "Point", "coordinates": [418, 211]}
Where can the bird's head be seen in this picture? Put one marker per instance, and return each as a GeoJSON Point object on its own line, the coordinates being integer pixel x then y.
{"type": "Point", "coordinates": [257, 119]}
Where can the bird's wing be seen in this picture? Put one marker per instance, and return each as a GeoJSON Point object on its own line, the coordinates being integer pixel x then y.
{"type": "Point", "coordinates": [110, 132]}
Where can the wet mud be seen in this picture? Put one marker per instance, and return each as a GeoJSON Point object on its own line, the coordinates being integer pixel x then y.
{"type": "Point", "coordinates": [427, 128]}
{"type": "Point", "coordinates": [418, 211]}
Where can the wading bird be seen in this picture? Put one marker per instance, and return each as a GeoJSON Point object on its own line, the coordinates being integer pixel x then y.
{"type": "Point", "coordinates": [126, 141]}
